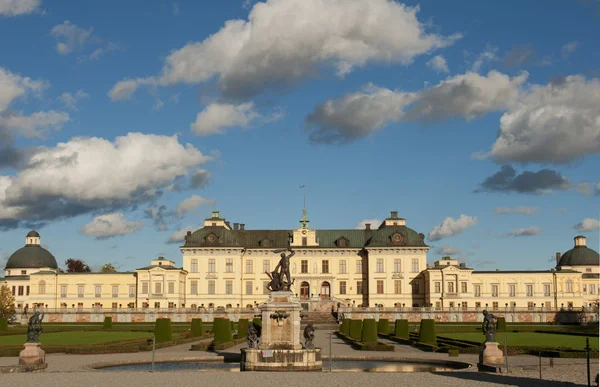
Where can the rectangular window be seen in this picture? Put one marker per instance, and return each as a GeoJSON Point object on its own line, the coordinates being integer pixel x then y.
{"type": "Point", "coordinates": [157, 288]}
{"type": "Point", "coordinates": [548, 304]}
{"type": "Point", "coordinates": [359, 266]}
{"type": "Point", "coordinates": [398, 287]}
{"type": "Point", "coordinates": [194, 287]}
{"type": "Point", "coordinates": [266, 266]}
{"type": "Point", "coordinates": [397, 266]}
{"type": "Point", "coordinates": [530, 305]}
{"type": "Point", "coordinates": [547, 290]}
{"type": "Point", "coordinates": [342, 287]}
{"type": "Point", "coordinates": [304, 266]}
{"type": "Point", "coordinates": [529, 290]}
{"type": "Point", "coordinates": [42, 289]}
{"type": "Point", "coordinates": [63, 290]}
{"type": "Point", "coordinates": [592, 289]}
{"type": "Point", "coordinates": [343, 266]}
{"type": "Point", "coordinates": [379, 265]}
{"type": "Point", "coordinates": [27, 290]}
{"type": "Point", "coordinates": [157, 305]}
{"type": "Point", "coordinates": [584, 288]}
{"type": "Point", "coordinates": [211, 287]}
{"type": "Point", "coordinates": [131, 290]}
{"type": "Point", "coordinates": [80, 305]}
{"type": "Point", "coordinates": [249, 266]}
{"type": "Point", "coordinates": [450, 287]}
{"type": "Point", "coordinates": [359, 287]}
{"type": "Point", "coordinates": [569, 287]}
{"type": "Point", "coordinates": [211, 266]}
{"type": "Point", "coordinates": [325, 266]}
{"type": "Point", "coordinates": [415, 265]}
{"type": "Point", "coordinates": [415, 287]}
{"type": "Point", "coordinates": [80, 291]}
{"type": "Point", "coordinates": [463, 287]}
{"type": "Point", "coordinates": [477, 290]}
{"type": "Point", "coordinates": [114, 305]}
{"type": "Point", "coordinates": [98, 290]}
{"type": "Point", "coordinates": [452, 304]}
{"type": "Point", "coordinates": [171, 287]}
{"type": "Point", "coordinates": [513, 304]}
{"type": "Point", "coordinates": [21, 290]}
{"type": "Point", "coordinates": [438, 287]}
{"type": "Point", "coordinates": [265, 289]}
{"type": "Point", "coordinates": [494, 290]}
{"type": "Point", "coordinates": [379, 286]}
{"type": "Point", "coordinates": [464, 305]}
{"type": "Point", "coordinates": [304, 241]}
{"type": "Point", "coordinates": [438, 304]}
{"type": "Point", "coordinates": [229, 265]}
{"type": "Point", "coordinates": [14, 290]}
{"type": "Point", "coordinates": [228, 287]}
{"type": "Point", "coordinates": [249, 287]}
{"type": "Point", "coordinates": [495, 305]}
{"type": "Point", "coordinates": [478, 304]}
{"type": "Point", "coordinates": [115, 291]}
{"type": "Point", "coordinates": [145, 287]}
{"type": "Point", "coordinates": [512, 290]}
{"type": "Point", "coordinates": [194, 266]}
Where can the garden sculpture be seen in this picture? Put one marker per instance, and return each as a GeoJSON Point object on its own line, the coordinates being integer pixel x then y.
{"type": "Point", "coordinates": [489, 326]}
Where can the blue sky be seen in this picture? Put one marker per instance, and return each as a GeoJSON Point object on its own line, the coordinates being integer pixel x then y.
{"type": "Point", "coordinates": [478, 121]}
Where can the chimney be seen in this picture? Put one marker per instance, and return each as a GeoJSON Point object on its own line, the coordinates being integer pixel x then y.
{"type": "Point", "coordinates": [580, 241]}
{"type": "Point", "coordinates": [236, 226]}
{"type": "Point", "coordinates": [188, 236]}
{"type": "Point", "coordinates": [394, 215]}
{"type": "Point", "coordinates": [557, 258]}
{"type": "Point", "coordinates": [367, 226]}
{"type": "Point", "coordinates": [242, 226]}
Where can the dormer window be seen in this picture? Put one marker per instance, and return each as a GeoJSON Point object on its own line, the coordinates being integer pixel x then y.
{"type": "Point", "coordinates": [211, 238]}
{"type": "Point", "coordinates": [397, 238]}
{"type": "Point", "coordinates": [266, 243]}
{"type": "Point", "coordinates": [342, 242]}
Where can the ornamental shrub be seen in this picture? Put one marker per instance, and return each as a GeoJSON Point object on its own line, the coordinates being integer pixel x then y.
{"type": "Point", "coordinates": [242, 327]}
{"type": "Point", "coordinates": [257, 321]}
{"type": "Point", "coordinates": [222, 329]}
{"type": "Point", "coordinates": [197, 328]}
{"type": "Point", "coordinates": [356, 329]}
{"type": "Point", "coordinates": [345, 327]}
{"type": "Point", "coordinates": [369, 331]}
{"type": "Point", "coordinates": [401, 329]}
{"type": "Point", "coordinates": [383, 326]}
{"type": "Point", "coordinates": [162, 330]}
{"type": "Point", "coordinates": [3, 324]}
{"type": "Point", "coordinates": [501, 324]}
{"type": "Point", "coordinates": [107, 323]}
{"type": "Point", "coordinates": [427, 331]}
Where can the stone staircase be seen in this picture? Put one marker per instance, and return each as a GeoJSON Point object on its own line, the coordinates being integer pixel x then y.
{"type": "Point", "coordinates": [320, 320]}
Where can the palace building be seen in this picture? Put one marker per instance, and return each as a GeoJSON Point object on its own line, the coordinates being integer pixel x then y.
{"type": "Point", "coordinates": [225, 265]}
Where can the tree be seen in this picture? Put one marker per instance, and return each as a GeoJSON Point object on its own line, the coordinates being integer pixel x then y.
{"type": "Point", "coordinates": [77, 266]}
{"type": "Point", "coordinates": [108, 268]}
{"type": "Point", "coordinates": [7, 302]}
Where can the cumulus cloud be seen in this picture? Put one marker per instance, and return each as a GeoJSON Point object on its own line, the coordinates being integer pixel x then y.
{"type": "Point", "coordinates": [18, 7]}
{"type": "Point", "coordinates": [199, 179]}
{"type": "Point", "coordinates": [540, 182]}
{"type": "Point", "coordinates": [451, 227]}
{"type": "Point", "coordinates": [70, 37]}
{"type": "Point", "coordinates": [438, 64]}
{"type": "Point", "coordinates": [93, 174]}
{"type": "Point", "coordinates": [218, 116]}
{"type": "Point", "coordinates": [587, 225]}
{"type": "Point", "coordinates": [484, 59]}
{"type": "Point", "coordinates": [246, 59]}
{"type": "Point", "coordinates": [160, 216]}
{"type": "Point", "coordinates": [110, 225]}
{"type": "Point", "coordinates": [70, 100]}
{"type": "Point", "coordinates": [529, 231]}
{"type": "Point", "coordinates": [520, 56]}
{"type": "Point", "coordinates": [517, 210]}
{"type": "Point", "coordinates": [362, 224]}
{"type": "Point", "coordinates": [36, 124]}
{"type": "Point", "coordinates": [179, 235]}
{"type": "Point", "coordinates": [191, 204]}
{"type": "Point", "coordinates": [448, 250]}
{"type": "Point", "coordinates": [13, 86]}
{"type": "Point", "coordinates": [587, 188]}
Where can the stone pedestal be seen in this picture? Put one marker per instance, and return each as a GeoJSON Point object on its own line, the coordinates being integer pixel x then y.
{"type": "Point", "coordinates": [491, 354]}
{"type": "Point", "coordinates": [32, 355]}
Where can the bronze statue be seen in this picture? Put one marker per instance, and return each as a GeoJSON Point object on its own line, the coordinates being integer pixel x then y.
{"type": "Point", "coordinates": [489, 326]}
{"type": "Point", "coordinates": [34, 329]}
{"type": "Point", "coordinates": [282, 270]}
{"type": "Point", "coordinates": [253, 338]}
{"type": "Point", "coordinates": [309, 336]}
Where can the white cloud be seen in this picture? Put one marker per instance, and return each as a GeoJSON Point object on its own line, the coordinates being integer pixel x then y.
{"type": "Point", "coordinates": [568, 49]}
{"type": "Point", "coordinates": [100, 51]}
{"type": "Point", "coordinates": [70, 37]}
{"type": "Point", "coordinates": [451, 227]}
{"type": "Point", "coordinates": [484, 58]}
{"type": "Point", "coordinates": [517, 210]}
{"type": "Point", "coordinates": [18, 7]}
{"type": "Point", "coordinates": [438, 64]}
{"type": "Point", "coordinates": [89, 174]}
{"type": "Point", "coordinates": [587, 225]}
{"type": "Point", "coordinates": [191, 204]}
{"type": "Point", "coordinates": [36, 124]}
{"type": "Point", "coordinates": [126, 88]}
{"type": "Point", "coordinates": [110, 225]}
{"type": "Point", "coordinates": [13, 86]}
{"type": "Point", "coordinates": [179, 235]}
{"type": "Point", "coordinates": [218, 116]}
{"type": "Point", "coordinates": [70, 100]}
{"type": "Point", "coordinates": [246, 59]}
{"type": "Point", "coordinates": [373, 222]}
{"type": "Point", "coordinates": [449, 250]}
{"type": "Point", "coordinates": [529, 231]}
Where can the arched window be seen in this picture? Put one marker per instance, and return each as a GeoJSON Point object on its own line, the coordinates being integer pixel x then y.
{"type": "Point", "coordinates": [42, 289]}
{"type": "Point", "coordinates": [569, 286]}
{"type": "Point", "coordinates": [194, 306]}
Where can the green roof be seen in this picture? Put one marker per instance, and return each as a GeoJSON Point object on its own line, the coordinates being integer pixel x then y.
{"type": "Point", "coordinates": [580, 256]}
{"type": "Point", "coordinates": [161, 266]}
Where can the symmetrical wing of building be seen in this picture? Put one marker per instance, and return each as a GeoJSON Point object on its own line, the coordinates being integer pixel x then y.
{"type": "Point", "coordinates": [225, 265]}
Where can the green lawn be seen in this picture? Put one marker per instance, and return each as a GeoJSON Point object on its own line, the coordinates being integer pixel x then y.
{"type": "Point", "coordinates": [75, 338]}
{"type": "Point", "coordinates": [530, 339]}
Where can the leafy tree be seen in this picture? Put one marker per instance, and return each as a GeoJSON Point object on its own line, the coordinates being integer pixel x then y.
{"type": "Point", "coordinates": [77, 266]}
{"type": "Point", "coordinates": [7, 302]}
{"type": "Point", "coordinates": [108, 268]}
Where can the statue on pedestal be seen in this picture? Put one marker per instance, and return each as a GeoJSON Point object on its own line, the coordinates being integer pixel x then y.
{"type": "Point", "coordinates": [309, 336]}
{"type": "Point", "coordinates": [253, 338]}
{"type": "Point", "coordinates": [282, 270]}
{"type": "Point", "coordinates": [34, 328]}
{"type": "Point", "coordinates": [489, 326]}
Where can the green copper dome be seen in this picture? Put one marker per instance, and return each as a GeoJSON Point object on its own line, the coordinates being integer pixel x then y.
{"type": "Point", "coordinates": [31, 256]}
{"type": "Point", "coordinates": [580, 255]}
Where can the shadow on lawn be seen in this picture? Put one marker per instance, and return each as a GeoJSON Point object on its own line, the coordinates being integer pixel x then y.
{"type": "Point", "coordinates": [507, 380]}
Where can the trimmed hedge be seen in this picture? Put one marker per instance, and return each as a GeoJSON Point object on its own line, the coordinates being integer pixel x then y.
{"type": "Point", "coordinates": [383, 326]}
{"type": "Point", "coordinates": [501, 324]}
{"type": "Point", "coordinates": [3, 324]}
{"type": "Point", "coordinates": [377, 346]}
{"type": "Point", "coordinates": [242, 330]}
{"type": "Point", "coordinates": [257, 321]}
{"type": "Point", "coordinates": [355, 329]}
{"type": "Point", "coordinates": [453, 352]}
{"type": "Point", "coordinates": [162, 330]}
{"type": "Point", "coordinates": [369, 331]}
{"type": "Point", "coordinates": [107, 323]}
{"type": "Point", "coordinates": [197, 328]}
{"type": "Point", "coordinates": [401, 329]}
{"type": "Point", "coordinates": [427, 331]}
{"type": "Point", "coordinates": [222, 329]}
{"type": "Point", "coordinates": [345, 327]}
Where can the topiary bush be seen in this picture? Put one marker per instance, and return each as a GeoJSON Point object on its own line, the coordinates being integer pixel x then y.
{"type": "Point", "coordinates": [401, 329]}
{"type": "Point", "coordinates": [242, 327]}
{"type": "Point", "coordinates": [222, 329]}
{"type": "Point", "coordinates": [257, 321]}
{"type": "Point", "coordinates": [345, 327]}
{"type": "Point", "coordinates": [383, 326]}
{"type": "Point", "coordinates": [162, 330]}
{"type": "Point", "coordinates": [427, 331]}
{"type": "Point", "coordinates": [501, 324]}
{"type": "Point", "coordinates": [3, 324]}
{"type": "Point", "coordinates": [197, 328]}
{"type": "Point", "coordinates": [107, 323]}
{"type": "Point", "coordinates": [369, 331]}
{"type": "Point", "coordinates": [355, 329]}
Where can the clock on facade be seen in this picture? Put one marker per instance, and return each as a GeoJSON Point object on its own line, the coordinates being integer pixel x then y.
{"type": "Point", "coordinates": [397, 238]}
{"type": "Point", "coordinates": [211, 237]}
